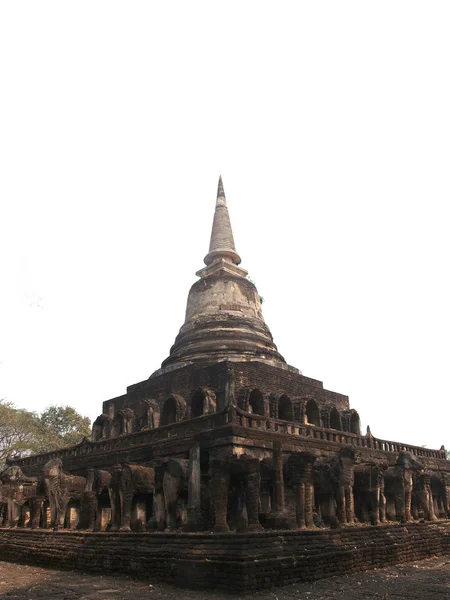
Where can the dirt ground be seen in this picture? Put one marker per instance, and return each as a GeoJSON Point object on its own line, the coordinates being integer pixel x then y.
{"type": "Point", "coordinates": [422, 580]}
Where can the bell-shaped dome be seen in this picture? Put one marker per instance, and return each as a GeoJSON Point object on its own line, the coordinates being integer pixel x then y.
{"type": "Point", "coordinates": [223, 314]}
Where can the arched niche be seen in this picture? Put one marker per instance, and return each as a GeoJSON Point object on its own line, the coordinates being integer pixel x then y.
{"type": "Point", "coordinates": [256, 402]}
{"type": "Point", "coordinates": [285, 410]}
{"type": "Point", "coordinates": [203, 402]}
{"type": "Point", "coordinates": [122, 422]}
{"type": "Point", "coordinates": [335, 419]}
{"type": "Point", "coordinates": [355, 426]}
{"type": "Point", "coordinates": [312, 413]}
{"type": "Point", "coordinates": [101, 428]}
{"type": "Point", "coordinates": [174, 410]}
{"type": "Point", "coordinates": [147, 415]}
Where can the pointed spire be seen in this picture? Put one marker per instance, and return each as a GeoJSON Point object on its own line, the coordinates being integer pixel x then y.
{"type": "Point", "coordinates": [220, 190]}
{"type": "Point", "coordinates": [221, 246]}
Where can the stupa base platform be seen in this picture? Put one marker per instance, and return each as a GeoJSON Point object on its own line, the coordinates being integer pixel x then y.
{"type": "Point", "coordinates": [230, 562]}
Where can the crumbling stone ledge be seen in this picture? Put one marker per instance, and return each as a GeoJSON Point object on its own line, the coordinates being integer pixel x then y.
{"type": "Point", "coordinates": [230, 562]}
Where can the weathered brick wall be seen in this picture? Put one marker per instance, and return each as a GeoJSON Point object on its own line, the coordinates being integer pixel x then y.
{"type": "Point", "coordinates": [183, 381]}
{"type": "Point", "coordinates": [270, 380]}
{"type": "Point", "coordinates": [236, 562]}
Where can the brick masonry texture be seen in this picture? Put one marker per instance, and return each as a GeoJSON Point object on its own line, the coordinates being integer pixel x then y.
{"type": "Point", "coordinates": [235, 563]}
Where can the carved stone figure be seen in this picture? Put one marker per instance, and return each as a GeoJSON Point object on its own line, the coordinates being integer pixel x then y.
{"type": "Point", "coordinates": [175, 481]}
{"type": "Point", "coordinates": [300, 477]}
{"type": "Point", "coordinates": [369, 490]}
{"type": "Point", "coordinates": [245, 472]}
{"type": "Point", "coordinates": [278, 516]}
{"type": "Point", "coordinates": [37, 501]}
{"type": "Point", "coordinates": [97, 483]}
{"type": "Point", "coordinates": [334, 480]}
{"type": "Point", "coordinates": [399, 485]}
{"type": "Point", "coordinates": [147, 415]}
{"type": "Point", "coordinates": [3, 506]}
{"type": "Point", "coordinates": [13, 482]}
{"type": "Point", "coordinates": [60, 489]}
{"type": "Point", "coordinates": [122, 422]}
{"type": "Point", "coordinates": [101, 428]}
{"type": "Point", "coordinates": [440, 487]}
{"type": "Point", "coordinates": [345, 502]}
{"type": "Point", "coordinates": [126, 481]}
{"type": "Point", "coordinates": [422, 498]}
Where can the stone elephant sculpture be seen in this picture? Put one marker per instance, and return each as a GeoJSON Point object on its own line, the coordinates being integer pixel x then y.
{"type": "Point", "coordinates": [60, 488]}
{"type": "Point", "coordinates": [3, 504]}
{"type": "Point", "coordinates": [440, 487]}
{"type": "Point", "coordinates": [422, 497]}
{"type": "Point", "coordinates": [333, 486]}
{"type": "Point", "coordinates": [299, 476]}
{"type": "Point", "coordinates": [398, 486]}
{"type": "Point", "coordinates": [237, 479]}
{"type": "Point", "coordinates": [369, 493]}
{"type": "Point", "coordinates": [126, 481]}
{"type": "Point", "coordinates": [97, 483]}
{"type": "Point", "coordinates": [14, 492]}
{"type": "Point", "coordinates": [170, 499]}
{"type": "Point", "coordinates": [175, 482]}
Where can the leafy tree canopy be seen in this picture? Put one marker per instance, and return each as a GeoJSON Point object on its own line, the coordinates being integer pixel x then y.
{"type": "Point", "coordinates": [23, 433]}
{"type": "Point", "coordinates": [63, 426]}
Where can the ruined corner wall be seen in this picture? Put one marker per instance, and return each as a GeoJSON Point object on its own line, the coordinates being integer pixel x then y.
{"type": "Point", "coordinates": [230, 562]}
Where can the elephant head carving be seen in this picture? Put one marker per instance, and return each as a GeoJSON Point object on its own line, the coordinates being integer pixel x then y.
{"type": "Point", "coordinates": [60, 487]}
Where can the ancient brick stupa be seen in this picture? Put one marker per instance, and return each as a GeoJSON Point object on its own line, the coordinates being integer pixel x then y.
{"type": "Point", "coordinates": [226, 437]}
{"type": "Point", "coordinates": [223, 315]}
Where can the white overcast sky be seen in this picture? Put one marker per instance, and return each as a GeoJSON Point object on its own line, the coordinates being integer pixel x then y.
{"type": "Point", "coordinates": [330, 124]}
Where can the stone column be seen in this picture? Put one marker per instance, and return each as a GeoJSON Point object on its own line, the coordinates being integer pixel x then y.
{"type": "Point", "coordinates": [252, 489]}
{"type": "Point", "coordinates": [309, 504]}
{"type": "Point", "coordinates": [278, 518]}
{"type": "Point", "coordinates": [300, 466]}
{"type": "Point", "coordinates": [230, 398]}
{"type": "Point", "coordinates": [278, 488]}
{"type": "Point", "coordinates": [194, 515]}
{"type": "Point", "coordinates": [220, 476]}
{"type": "Point", "coordinates": [88, 510]}
{"type": "Point", "coordinates": [407, 487]}
{"type": "Point", "coordinates": [37, 504]}
{"type": "Point", "coordinates": [427, 481]}
{"type": "Point", "coordinates": [382, 502]}
{"type": "Point", "coordinates": [349, 505]}
{"type": "Point", "coordinates": [300, 505]}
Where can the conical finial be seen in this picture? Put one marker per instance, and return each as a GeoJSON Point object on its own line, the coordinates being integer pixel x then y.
{"type": "Point", "coordinates": [221, 246]}
{"type": "Point", "coordinates": [220, 190]}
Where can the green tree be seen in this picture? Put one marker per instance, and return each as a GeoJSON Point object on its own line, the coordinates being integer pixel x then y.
{"type": "Point", "coordinates": [62, 426]}
{"type": "Point", "coordinates": [23, 432]}
{"type": "Point", "coordinates": [19, 432]}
